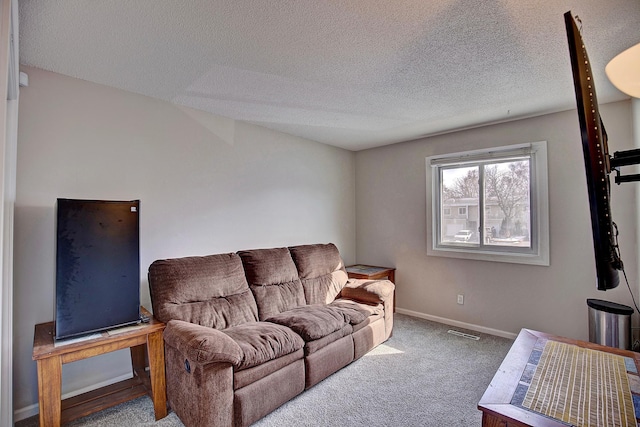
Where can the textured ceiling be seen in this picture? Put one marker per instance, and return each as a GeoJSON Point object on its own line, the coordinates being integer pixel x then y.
{"type": "Point", "coordinates": [354, 74]}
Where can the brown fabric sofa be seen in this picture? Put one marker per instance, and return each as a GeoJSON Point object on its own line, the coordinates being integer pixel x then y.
{"type": "Point", "coordinates": [248, 331]}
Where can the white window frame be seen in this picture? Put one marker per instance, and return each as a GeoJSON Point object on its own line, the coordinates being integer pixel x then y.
{"type": "Point", "coordinates": [539, 253]}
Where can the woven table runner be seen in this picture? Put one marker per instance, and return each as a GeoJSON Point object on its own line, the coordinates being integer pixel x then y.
{"type": "Point", "coordinates": [582, 387]}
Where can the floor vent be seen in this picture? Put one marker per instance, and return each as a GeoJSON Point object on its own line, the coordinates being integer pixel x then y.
{"type": "Point", "coordinates": [463, 335]}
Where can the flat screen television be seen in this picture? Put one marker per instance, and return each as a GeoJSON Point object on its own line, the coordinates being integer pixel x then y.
{"type": "Point", "coordinates": [596, 161]}
{"type": "Point", "coordinates": [97, 266]}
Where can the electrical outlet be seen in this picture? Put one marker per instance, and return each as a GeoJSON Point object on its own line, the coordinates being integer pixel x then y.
{"type": "Point", "coordinates": [460, 299]}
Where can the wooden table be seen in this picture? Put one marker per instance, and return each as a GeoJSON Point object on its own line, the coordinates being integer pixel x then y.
{"type": "Point", "coordinates": [372, 272]}
{"type": "Point", "coordinates": [495, 404]}
{"type": "Point", "coordinates": [144, 343]}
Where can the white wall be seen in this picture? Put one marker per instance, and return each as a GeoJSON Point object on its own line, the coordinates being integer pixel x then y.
{"type": "Point", "coordinates": [207, 185]}
{"type": "Point", "coordinates": [391, 230]}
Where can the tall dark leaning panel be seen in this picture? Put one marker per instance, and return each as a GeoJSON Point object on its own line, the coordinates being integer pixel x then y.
{"type": "Point", "coordinates": [97, 265]}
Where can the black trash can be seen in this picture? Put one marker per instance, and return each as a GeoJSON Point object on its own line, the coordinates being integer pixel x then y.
{"type": "Point", "coordinates": [610, 323]}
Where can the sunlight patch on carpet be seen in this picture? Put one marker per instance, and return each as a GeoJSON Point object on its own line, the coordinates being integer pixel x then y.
{"type": "Point", "coordinates": [383, 349]}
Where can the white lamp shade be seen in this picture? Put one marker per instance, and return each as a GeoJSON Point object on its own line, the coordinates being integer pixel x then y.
{"type": "Point", "coordinates": [624, 71]}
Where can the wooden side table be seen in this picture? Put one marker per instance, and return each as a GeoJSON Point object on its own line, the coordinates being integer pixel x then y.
{"type": "Point", "coordinates": [144, 342]}
{"type": "Point", "coordinates": [371, 272]}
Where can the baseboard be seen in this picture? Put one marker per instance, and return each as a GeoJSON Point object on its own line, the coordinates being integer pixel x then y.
{"type": "Point", "coordinates": [464, 325]}
{"type": "Point", "coordinates": [31, 410]}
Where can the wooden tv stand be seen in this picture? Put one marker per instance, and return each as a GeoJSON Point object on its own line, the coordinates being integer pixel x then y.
{"type": "Point", "coordinates": [144, 343]}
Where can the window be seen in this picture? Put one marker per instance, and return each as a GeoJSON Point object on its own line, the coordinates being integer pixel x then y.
{"type": "Point", "coordinates": [501, 200]}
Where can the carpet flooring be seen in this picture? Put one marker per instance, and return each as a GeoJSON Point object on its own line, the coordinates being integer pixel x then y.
{"type": "Point", "coordinates": [422, 376]}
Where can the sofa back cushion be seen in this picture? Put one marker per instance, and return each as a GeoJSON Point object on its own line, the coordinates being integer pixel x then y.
{"type": "Point", "coordinates": [273, 279]}
{"type": "Point", "coordinates": [209, 291]}
{"type": "Point", "coordinates": [321, 271]}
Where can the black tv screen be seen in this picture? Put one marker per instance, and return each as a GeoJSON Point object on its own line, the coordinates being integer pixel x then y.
{"type": "Point", "coordinates": [97, 265]}
{"type": "Point", "coordinates": [596, 161]}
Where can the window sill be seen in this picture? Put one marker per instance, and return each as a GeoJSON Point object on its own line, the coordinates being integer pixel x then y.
{"type": "Point", "coordinates": [484, 255]}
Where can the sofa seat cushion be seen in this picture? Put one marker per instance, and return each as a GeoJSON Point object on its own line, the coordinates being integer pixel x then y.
{"type": "Point", "coordinates": [354, 311]}
{"type": "Point", "coordinates": [261, 342]}
{"type": "Point", "coordinates": [311, 322]}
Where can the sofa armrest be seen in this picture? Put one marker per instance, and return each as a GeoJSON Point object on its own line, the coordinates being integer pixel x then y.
{"type": "Point", "coordinates": [202, 344]}
{"type": "Point", "coordinates": [373, 292]}
{"type": "Point", "coordinates": [369, 291]}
